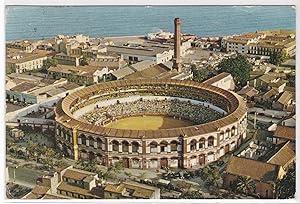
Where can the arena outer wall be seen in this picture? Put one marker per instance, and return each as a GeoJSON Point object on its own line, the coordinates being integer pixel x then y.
{"type": "Point", "coordinates": [184, 147]}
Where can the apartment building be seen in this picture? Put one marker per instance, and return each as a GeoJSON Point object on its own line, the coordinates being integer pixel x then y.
{"type": "Point", "coordinates": [65, 59]}
{"type": "Point", "coordinates": [19, 61]}
{"type": "Point", "coordinates": [82, 75]}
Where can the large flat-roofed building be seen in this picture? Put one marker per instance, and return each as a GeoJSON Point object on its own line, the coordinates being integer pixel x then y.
{"type": "Point", "coordinates": [262, 43]}
{"type": "Point", "coordinates": [159, 52]}
{"type": "Point", "coordinates": [65, 59]}
{"type": "Point", "coordinates": [156, 52]}
{"type": "Point", "coordinates": [82, 75]}
{"type": "Point", "coordinates": [131, 190]}
{"type": "Point", "coordinates": [20, 61]}
{"type": "Point", "coordinates": [32, 92]}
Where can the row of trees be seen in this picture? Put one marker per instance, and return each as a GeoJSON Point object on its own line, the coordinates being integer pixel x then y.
{"type": "Point", "coordinates": [91, 166]}
{"type": "Point", "coordinates": [43, 154]}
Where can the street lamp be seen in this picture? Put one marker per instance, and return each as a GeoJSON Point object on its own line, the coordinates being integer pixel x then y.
{"type": "Point", "coordinates": [15, 167]}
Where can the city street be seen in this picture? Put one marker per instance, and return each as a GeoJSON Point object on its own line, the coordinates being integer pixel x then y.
{"type": "Point", "coordinates": [264, 118]}
{"type": "Point", "coordinates": [24, 176]}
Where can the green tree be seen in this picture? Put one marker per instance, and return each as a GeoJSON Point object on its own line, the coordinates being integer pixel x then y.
{"type": "Point", "coordinates": [192, 195]}
{"type": "Point", "coordinates": [32, 149]}
{"type": "Point", "coordinates": [245, 185]}
{"type": "Point", "coordinates": [49, 158]}
{"type": "Point", "coordinates": [287, 186]}
{"type": "Point", "coordinates": [128, 174]}
{"type": "Point", "coordinates": [277, 58]}
{"type": "Point", "coordinates": [117, 167]}
{"type": "Point", "coordinates": [238, 67]}
{"type": "Point", "coordinates": [50, 63]}
{"type": "Point", "coordinates": [199, 75]}
{"type": "Point", "coordinates": [142, 175]}
{"type": "Point", "coordinates": [291, 80]}
{"type": "Point", "coordinates": [10, 70]}
{"type": "Point", "coordinates": [211, 176]}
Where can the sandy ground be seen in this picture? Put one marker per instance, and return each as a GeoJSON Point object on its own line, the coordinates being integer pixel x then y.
{"type": "Point", "coordinates": [149, 123]}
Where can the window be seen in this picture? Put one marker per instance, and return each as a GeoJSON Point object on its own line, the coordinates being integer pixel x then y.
{"type": "Point", "coordinates": [153, 147]}
{"type": "Point", "coordinates": [267, 193]}
{"type": "Point", "coordinates": [173, 146]}
{"type": "Point", "coordinates": [201, 143]}
{"type": "Point", "coordinates": [125, 146]}
{"type": "Point", "coordinates": [163, 146]}
{"type": "Point", "coordinates": [193, 145]}
{"type": "Point", "coordinates": [115, 145]}
{"type": "Point", "coordinates": [135, 147]}
{"type": "Point", "coordinates": [211, 141]}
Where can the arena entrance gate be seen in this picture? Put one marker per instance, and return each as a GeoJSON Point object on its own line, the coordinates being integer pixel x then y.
{"type": "Point", "coordinates": [202, 159]}
{"type": "Point", "coordinates": [226, 148]}
{"type": "Point", "coordinates": [163, 162]}
{"type": "Point", "coordinates": [125, 162]}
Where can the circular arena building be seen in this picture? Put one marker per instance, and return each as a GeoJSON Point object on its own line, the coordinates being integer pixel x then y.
{"type": "Point", "coordinates": [150, 123]}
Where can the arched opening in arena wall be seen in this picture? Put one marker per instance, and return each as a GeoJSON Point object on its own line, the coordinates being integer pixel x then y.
{"type": "Point", "coordinates": [227, 148]}
{"type": "Point", "coordinates": [222, 151]}
{"type": "Point", "coordinates": [153, 147]}
{"type": "Point", "coordinates": [125, 146]}
{"type": "Point", "coordinates": [163, 146]}
{"type": "Point", "coordinates": [135, 147]}
{"type": "Point", "coordinates": [193, 145]}
{"type": "Point", "coordinates": [91, 156]}
{"type": "Point", "coordinates": [210, 141]}
{"type": "Point", "coordinates": [174, 145]}
{"type": "Point", "coordinates": [125, 162]}
{"type": "Point", "coordinates": [202, 143]}
{"type": "Point", "coordinates": [91, 141]}
{"type": "Point", "coordinates": [202, 159]}
{"type": "Point", "coordinates": [115, 146]}
{"type": "Point", "coordinates": [135, 163]}
{"type": "Point", "coordinates": [210, 157]}
{"type": "Point", "coordinates": [99, 158]}
{"type": "Point", "coordinates": [99, 143]}
{"type": "Point", "coordinates": [163, 162]}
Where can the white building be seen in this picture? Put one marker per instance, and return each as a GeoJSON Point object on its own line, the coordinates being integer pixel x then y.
{"type": "Point", "coordinates": [223, 81]}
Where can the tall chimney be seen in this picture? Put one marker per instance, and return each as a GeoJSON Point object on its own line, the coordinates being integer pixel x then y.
{"type": "Point", "coordinates": [177, 44]}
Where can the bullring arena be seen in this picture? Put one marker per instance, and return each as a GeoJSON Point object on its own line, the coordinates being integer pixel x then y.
{"type": "Point", "coordinates": [150, 123]}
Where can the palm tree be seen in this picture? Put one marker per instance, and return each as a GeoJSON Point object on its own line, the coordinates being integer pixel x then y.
{"type": "Point", "coordinates": [32, 149]}
{"type": "Point", "coordinates": [142, 175]}
{"type": "Point", "coordinates": [286, 187]}
{"type": "Point", "coordinates": [128, 173]}
{"type": "Point", "coordinates": [49, 154]}
{"type": "Point", "coordinates": [245, 185]}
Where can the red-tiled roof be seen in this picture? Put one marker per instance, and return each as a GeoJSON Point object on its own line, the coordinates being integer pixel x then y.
{"type": "Point", "coordinates": [257, 170]}
{"type": "Point", "coordinates": [285, 132]}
